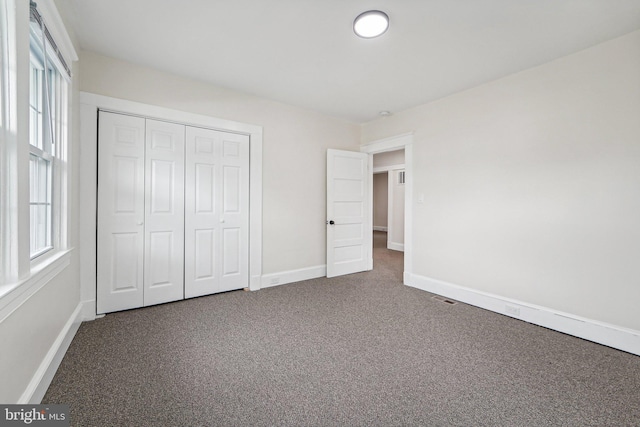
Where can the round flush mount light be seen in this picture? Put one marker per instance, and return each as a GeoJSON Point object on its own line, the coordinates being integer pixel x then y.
{"type": "Point", "coordinates": [370, 24]}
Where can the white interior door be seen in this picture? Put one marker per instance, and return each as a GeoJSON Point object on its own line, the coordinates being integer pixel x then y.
{"type": "Point", "coordinates": [120, 212]}
{"type": "Point", "coordinates": [164, 212]}
{"type": "Point", "coordinates": [216, 212]}
{"type": "Point", "coordinates": [349, 223]}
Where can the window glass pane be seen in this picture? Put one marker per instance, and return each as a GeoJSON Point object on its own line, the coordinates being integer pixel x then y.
{"type": "Point", "coordinates": [34, 120]}
{"type": "Point", "coordinates": [40, 204]}
{"type": "Point", "coordinates": [35, 104]}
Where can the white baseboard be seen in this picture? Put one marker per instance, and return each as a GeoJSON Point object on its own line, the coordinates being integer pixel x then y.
{"type": "Point", "coordinates": [379, 228]}
{"type": "Point", "coordinates": [284, 277]}
{"type": "Point", "coordinates": [395, 246]}
{"type": "Point", "coordinates": [44, 375]}
{"type": "Point", "coordinates": [602, 333]}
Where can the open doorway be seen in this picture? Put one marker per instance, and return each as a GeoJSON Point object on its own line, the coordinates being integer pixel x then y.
{"type": "Point", "coordinates": [402, 177]}
{"type": "Point", "coordinates": [350, 206]}
{"type": "Point", "coordinates": [388, 194]}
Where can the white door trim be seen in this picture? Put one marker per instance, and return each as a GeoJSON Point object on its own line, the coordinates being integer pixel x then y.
{"type": "Point", "coordinates": [393, 143]}
{"type": "Point", "coordinates": [89, 105]}
{"type": "Point", "coordinates": [383, 169]}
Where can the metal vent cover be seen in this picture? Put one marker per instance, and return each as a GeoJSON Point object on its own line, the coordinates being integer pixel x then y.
{"type": "Point", "coordinates": [401, 177]}
{"type": "Point", "coordinates": [444, 300]}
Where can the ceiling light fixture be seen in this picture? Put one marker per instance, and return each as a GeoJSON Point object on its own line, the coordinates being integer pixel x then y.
{"type": "Point", "coordinates": [370, 24]}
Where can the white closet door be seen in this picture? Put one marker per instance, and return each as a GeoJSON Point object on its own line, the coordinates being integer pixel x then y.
{"type": "Point", "coordinates": [202, 223]}
{"type": "Point", "coordinates": [164, 213]}
{"type": "Point", "coordinates": [120, 212]}
{"type": "Point", "coordinates": [216, 212]}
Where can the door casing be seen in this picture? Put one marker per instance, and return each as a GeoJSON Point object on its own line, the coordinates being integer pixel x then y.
{"type": "Point", "coordinates": [393, 143]}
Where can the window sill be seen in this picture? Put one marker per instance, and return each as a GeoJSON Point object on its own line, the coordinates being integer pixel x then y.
{"type": "Point", "coordinates": [13, 295]}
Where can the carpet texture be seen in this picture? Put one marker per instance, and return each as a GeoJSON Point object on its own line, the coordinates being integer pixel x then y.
{"type": "Point", "coordinates": [357, 350]}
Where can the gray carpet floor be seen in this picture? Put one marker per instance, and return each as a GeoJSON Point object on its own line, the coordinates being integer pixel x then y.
{"type": "Point", "coordinates": [358, 350]}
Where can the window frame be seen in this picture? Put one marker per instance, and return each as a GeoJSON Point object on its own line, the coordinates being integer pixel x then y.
{"type": "Point", "coordinates": [52, 86]}
{"type": "Point", "coordinates": [42, 151]}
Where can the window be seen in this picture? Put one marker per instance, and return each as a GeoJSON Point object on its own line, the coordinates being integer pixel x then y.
{"type": "Point", "coordinates": [40, 161]}
{"type": "Point", "coordinates": [34, 163]}
{"type": "Point", "coordinates": [47, 110]}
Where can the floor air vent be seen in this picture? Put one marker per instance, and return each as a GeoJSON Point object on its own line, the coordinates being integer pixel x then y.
{"type": "Point", "coordinates": [444, 300]}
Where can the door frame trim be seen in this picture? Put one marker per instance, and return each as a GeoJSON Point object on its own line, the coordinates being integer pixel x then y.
{"type": "Point", "coordinates": [90, 103]}
{"type": "Point", "coordinates": [393, 143]}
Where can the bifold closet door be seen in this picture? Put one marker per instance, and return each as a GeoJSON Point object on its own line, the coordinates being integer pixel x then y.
{"type": "Point", "coordinates": [164, 212]}
{"type": "Point", "coordinates": [140, 212]}
{"type": "Point", "coordinates": [121, 212]}
{"type": "Point", "coordinates": [216, 212]}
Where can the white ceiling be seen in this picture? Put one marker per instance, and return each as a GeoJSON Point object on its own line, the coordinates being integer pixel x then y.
{"type": "Point", "coordinates": [304, 52]}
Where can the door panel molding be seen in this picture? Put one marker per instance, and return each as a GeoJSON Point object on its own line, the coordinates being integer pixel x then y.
{"type": "Point", "coordinates": [349, 215]}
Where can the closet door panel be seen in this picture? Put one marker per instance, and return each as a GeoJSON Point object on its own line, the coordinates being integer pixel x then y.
{"type": "Point", "coordinates": [234, 216]}
{"type": "Point", "coordinates": [120, 212]}
{"type": "Point", "coordinates": [164, 212]}
{"type": "Point", "coordinates": [202, 221]}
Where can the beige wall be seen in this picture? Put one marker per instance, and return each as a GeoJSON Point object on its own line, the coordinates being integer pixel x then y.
{"type": "Point", "coordinates": [29, 333]}
{"type": "Point", "coordinates": [389, 158]}
{"type": "Point", "coordinates": [380, 199]}
{"type": "Point", "coordinates": [396, 195]}
{"type": "Point", "coordinates": [295, 144]}
{"type": "Point", "coordinates": [531, 184]}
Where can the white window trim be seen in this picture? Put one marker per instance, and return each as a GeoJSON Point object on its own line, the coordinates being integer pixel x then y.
{"type": "Point", "coordinates": [13, 295]}
{"type": "Point", "coordinates": [9, 256]}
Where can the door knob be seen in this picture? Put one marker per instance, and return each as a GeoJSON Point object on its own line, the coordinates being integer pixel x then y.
{"type": "Point", "coordinates": [331, 222]}
{"type": "Point", "coordinates": [221, 220]}
{"type": "Point", "coordinates": [140, 222]}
